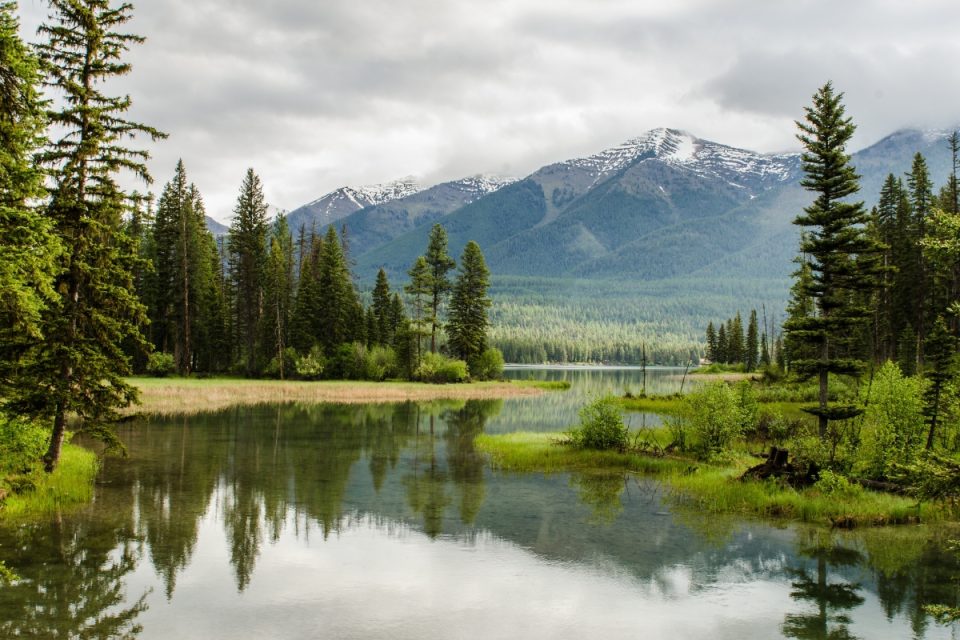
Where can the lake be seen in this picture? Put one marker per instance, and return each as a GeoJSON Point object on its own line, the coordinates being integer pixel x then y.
{"type": "Point", "coordinates": [382, 521]}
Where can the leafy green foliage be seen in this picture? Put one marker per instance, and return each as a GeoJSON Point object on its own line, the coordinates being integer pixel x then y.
{"type": "Point", "coordinates": [711, 417]}
{"type": "Point", "coordinates": [437, 368]}
{"type": "Point", "coordinates": [161, 364]}
{"type": "Point", "coordinates": [601, 426]}
{"type": "Point", "coordinates": [487, 366]}
{"type": "Point", "coordinates": [893, 422]}
{"type": "Point", "coordinates": [311, 365]}
{"type": "Point", "coordinates": [22, 444]}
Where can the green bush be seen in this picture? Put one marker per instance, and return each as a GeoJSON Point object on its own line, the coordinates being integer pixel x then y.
{"type": "Point", "coordinates": [715, 415]}
{"type": "Point", "coordinates": [289, 359]}
{"type": "Point", "coordinates": [894, 432]}
{"type": "Point", "coordinates": [160, 364]}
{"type": "Point", "coordinates": [310, 366]}
{"type": "Point", "coordinates": [379, 363]}
{"type": "Point", "coordinates": [441, 369]}
{"type": "Point", "coordinates": [601, 426]}
{"type": "Point", "coordinates": [22, 444]}
{"type": "Point", "coordinates": [487, 366]}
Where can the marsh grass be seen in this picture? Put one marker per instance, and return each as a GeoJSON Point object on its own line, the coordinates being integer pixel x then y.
{"type": "Point", "coordinates": [69, 486]}
{"type": "Point", "coordinates": [661, 405]}
{"type": "Point", "coordinates": [711, 487]}
{"type": "Point", "coordinates": [186, 396]}
{"type": "Point", "coordinates": [546, 385]}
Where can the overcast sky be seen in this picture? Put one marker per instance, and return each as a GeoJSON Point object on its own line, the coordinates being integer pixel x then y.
{"type": "Point", "coordinates": [319, 94]}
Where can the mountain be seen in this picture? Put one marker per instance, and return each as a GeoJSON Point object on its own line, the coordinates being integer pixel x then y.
{"type": "Point", "coordinates": [589, 217]}
{"type": "Point", "coordinates": [216, 228]}
{"type": "Point", "coordinates": [345, 200]}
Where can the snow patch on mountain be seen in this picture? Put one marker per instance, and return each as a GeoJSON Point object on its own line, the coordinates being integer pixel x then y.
{"type": "Point", "coordinates": [680, 148]}
{"type": "Point", "coordinates": [483, 184]}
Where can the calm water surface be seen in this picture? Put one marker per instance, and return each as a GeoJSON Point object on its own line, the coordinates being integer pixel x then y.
{"type": "Point", "coordinates": [382, 521]}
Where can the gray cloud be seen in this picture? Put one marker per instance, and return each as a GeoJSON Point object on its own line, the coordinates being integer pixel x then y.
{"type": "Point", "coordinates": [315, 95]}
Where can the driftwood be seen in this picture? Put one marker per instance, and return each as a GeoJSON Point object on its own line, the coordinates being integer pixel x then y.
{"type": "Point", "coordinates": [778, 465]}
{"type": "Point", "coordinates": [877, 485]}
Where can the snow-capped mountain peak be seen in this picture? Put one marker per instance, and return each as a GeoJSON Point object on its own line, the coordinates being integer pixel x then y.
{"type": "Point", "coordinates": [680, 148]}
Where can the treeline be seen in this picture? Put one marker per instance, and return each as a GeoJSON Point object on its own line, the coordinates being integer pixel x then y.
{"type": "Point", "coordinates": [265, 303]}
{"type": "Point", "coordinates": [728, 344]}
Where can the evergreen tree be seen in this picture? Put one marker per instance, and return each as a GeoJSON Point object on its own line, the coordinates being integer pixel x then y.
{"type": "Point", "coordinates": [305, 324]}
{"type": "Point", "coordinates": [247, 243]}
{"type": "Point", "coordinates": [711, 342]}
{"type": "Point", "coordinates": [723, 345]}
{"type": "Point", "coordinates": [440, 264]}
{"type": "Point", "coordinates": [78, 368]}
{"type": "Point", "coordinates": [381, 309]}
{"type": "Point", "coordinates": [468, 322]}
{"type": "Point", "coordinates": [419, 290]}
{"type": "Point", "coordinates": [735, 342]}
{"type": "Point", "coordinates": [950, 193]}
{"type": "Point", "coordinates": [338, 299]}
{"type": "Point", "coordinates": [941, 368]}
{"type": "Point", "coordinates": [28, 248]}
{"type": "Point", "coordinates": [278, 294]}
{"type": "Point", "coordinates": [926, 298]}
{"type": "Point", "coordinates": [752, 344]}
{"type": "Point", "coordinates": [842, 257]}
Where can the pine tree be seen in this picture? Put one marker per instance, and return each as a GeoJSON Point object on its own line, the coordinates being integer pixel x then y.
{"type": "Point", "coordinates": [339, 304]}
{"type": "Point", "coordinates": [735, 343]}
{"type": "Point", "coordinates": [950, 192]}
{"type": "Point", "coordinates": [247, 243]}
{"type": "Point", "coordinates": [381, 309]}
{"type": "Point", "coordinates": [78, 368]}
{"type": "Point", "coordinates": [723, 345]}
{"type": "Point", "coordinates": [752, 344]}
{"type": "Point", "coordinates": [305, 325]}
{"type": "Point", "coordinates": [711, 342]}
{"type": "Point", "coordinates": [926, 299]}
{"type": "Point", "coordinates": [28, 248]}
{"type": "Point", "coordinates": [278, 294]}
{"type": "Point", "coordinates": [842, 258]}
{"type": "Point", "coordinates": [941, 359]}
{"type": "Point", "coordinates": [469, 303]}
{"type": "Point", "coordinates": [440, 264]}
{"type": "Point", "coordinates": [419, 290]}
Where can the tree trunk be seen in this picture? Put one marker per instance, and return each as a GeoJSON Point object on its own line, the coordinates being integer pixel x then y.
{"type": "Point", "coordinates": [52, 457]}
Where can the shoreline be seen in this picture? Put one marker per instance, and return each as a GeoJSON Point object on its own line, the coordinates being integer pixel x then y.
{"type": "Point", "coordinates": [185, 396]}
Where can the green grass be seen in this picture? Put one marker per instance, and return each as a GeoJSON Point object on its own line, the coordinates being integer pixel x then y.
{"type": "Point", "coordinates": [713, 488]}
{"type": "Point", "coordinates": [661, 405]}
{"type": "Point", "coordinates": [70, 485]}
{"type": "Point", "coordinates": [547, 385]}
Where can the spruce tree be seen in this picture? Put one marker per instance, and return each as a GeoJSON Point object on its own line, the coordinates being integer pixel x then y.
{"type": "Point", "coordinates": [381, 309]}
{"type": "Point", "coordinates": [78, 368]}
{"type": "Point", "coordinates": [278, 294]}
{"type": "Point", "coordinates": [752, 343]}
{"type": "Point", "coordinates": [723, 345]}
{"type": "Point", "coordinates": [467, 327]}
{"type": "Point", "coordinates": [28, 248]}
{"type": "Point", "coordinates": [926, 299]}
{"type": "Point", "coordinates": [440, 264]}
{"type": "Point", "coordinates": [842, 257]}
{"type": "Point", "coordinates": [247, 242]}
{"type": "Point", "coordinates": [711, 342]}
{"type": "Point", "coordinates": [337, 315]}
{"type": "Point", "coordinates": [304, 324]}
{"type": "Point", "coordinates": [941, 359]}
{"type": "Point", "coordinates": [419, 290]}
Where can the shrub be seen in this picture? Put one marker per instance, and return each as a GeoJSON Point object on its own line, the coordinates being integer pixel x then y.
{"type": "Point", "coordinates": [714, 416]}
{"type": "Point", "coordinates": [601, 426]}
{"type": "Point", "coordinates": [288, 358]}
{"type": "Point", "coordinates": [310, 366]}
{"type": "Point", "coordinates": [831, 483]}
{"type": "Point", "coordinates": [894, 430]}
{"type": "Point", "coordinates": [379, 363]}
{"type": "Point", "coordinates": [160, 364]}
{"type": "Point", "coordinates": [440, 369]}
{"type": "Point", "coordinates": [488, 365]}
{"type": "Point", "coordinates": [22, 444]}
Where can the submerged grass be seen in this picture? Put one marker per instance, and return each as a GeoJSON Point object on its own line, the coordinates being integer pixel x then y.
{"type": "Point", "coordinates": [185, 396]}
{"type": "Point", "coordinates": [70, 485]}
{"type": "Point", "coordinates": [713, 488]}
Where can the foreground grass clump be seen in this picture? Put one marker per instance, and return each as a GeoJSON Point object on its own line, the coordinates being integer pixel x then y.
{"type": "Point", "coordinates": [713, 487]}
{"type": "Point", "coordinates": [70, 485]}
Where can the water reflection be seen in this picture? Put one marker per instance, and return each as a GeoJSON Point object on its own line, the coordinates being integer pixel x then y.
{"type": "Point", "coordinates": [308, 512]}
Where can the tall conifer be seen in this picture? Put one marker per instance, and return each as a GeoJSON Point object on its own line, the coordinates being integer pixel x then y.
{"type": "Point", "coordinates": [842, 258]}
{"type": "Point", "coordinates": [78, 368]}
{"type": "Point", "coordinates": [469, 303]}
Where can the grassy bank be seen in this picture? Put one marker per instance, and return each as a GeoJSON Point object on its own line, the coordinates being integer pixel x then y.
{"type": "Point", "coordinates": [712, 488]}
{"type": "Point", "coordinates": [180, 396]}
{"type": "Point", "coordinates": [546, 385]}
{"type": "Point", "coordinates": [70, 485]}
